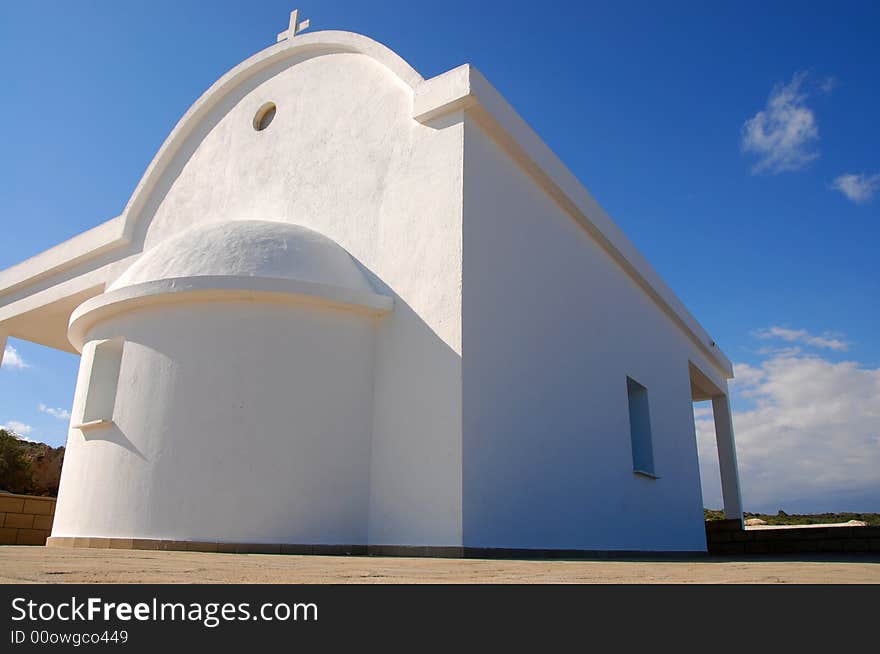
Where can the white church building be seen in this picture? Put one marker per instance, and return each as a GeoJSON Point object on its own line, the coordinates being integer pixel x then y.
{"type": "Point", "coordinates": [350, 309]}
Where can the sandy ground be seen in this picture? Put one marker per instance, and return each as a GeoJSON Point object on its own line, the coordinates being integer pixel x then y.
{"type": "Point", "coordinates": [68, 565]}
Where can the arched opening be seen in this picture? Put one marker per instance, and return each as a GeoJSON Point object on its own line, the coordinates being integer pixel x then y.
{"type": "Point", "coordinates": [36, 394]}
{"type": "Point", "coordinates": [712, 413]}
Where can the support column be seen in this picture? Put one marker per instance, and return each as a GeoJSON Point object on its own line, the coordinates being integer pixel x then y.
{"type": "Point", "coordinates": [730, 490]}
{"type": "Point", "coordinates": [2, 345]}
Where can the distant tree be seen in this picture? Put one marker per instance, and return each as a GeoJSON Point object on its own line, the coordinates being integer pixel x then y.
{"type": "Point", "coordinates": [15, 467]}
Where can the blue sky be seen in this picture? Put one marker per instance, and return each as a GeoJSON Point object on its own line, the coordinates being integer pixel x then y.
{"type": "Point", "coordinates": [736, 145]}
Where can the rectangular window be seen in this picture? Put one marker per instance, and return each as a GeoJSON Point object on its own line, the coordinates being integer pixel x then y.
{"type": "Point", "coordinates": [640, 428]}
{"type": "Point", "coordinates": [103, 378]}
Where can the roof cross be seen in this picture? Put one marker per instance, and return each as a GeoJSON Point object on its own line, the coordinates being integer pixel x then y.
{"type": "Point", "coordinates": [294, 28]}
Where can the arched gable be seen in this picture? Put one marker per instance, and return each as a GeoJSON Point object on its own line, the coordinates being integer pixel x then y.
{"type": "Point", "coordinates": [339, 59]}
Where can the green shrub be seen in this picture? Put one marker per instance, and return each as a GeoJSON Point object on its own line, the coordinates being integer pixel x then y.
{"type": "Point", "coordinates": [15, 466]}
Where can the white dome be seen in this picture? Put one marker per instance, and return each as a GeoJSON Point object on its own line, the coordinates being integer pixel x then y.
{"type": "Point", "coordinates": [248, 249]}
{"type": "Point", "coordinates": [246, 259]}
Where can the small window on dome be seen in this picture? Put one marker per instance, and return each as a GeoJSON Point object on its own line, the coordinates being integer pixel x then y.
{"type": "Point", "coordinates": [264, 116]}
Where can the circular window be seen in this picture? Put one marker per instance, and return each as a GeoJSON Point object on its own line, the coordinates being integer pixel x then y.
{"type": "Point", "coordinates": [264, 116]}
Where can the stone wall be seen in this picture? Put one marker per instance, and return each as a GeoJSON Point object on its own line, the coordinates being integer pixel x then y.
{"type": "Point", "coordinates": [727, 537]}
{"type": "Point", "coordinates": [25, 519]}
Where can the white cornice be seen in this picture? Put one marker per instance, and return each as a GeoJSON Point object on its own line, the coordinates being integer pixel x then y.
{"type": "Point", "coordinates": [83, 247]}
{"type": "Point", "coordinates": [465, 88]}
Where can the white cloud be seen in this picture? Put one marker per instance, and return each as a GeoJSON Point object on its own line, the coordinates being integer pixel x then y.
{"type": "Point", "coordinates": [61, 414]}
{"type": "Point", "coordinates": [828, 84]}
{"type": "Point", "coordinates": [810, 441]}
{"type": "Point", "coordinates": [12, 359]}
{"type": "Point", "coordinates": [784, 133]}
{"type": "Point", "coordinates": [745, 375]}
{"type": "Point", "coordinates": [18, 427]}
{"type": "Point", "coordinates": [825, 341]}
{"type": "Point", "coordinates": [858, 188]}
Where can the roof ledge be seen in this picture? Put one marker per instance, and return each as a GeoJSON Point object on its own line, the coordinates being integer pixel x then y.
{"type": "Point", "coordinates": [85, 246]}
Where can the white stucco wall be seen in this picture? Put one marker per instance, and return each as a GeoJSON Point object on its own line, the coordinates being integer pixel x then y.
{"type": "Point", "coordinates": [233, 421]}
{"type": "Point", "coordinates": [552, 327]}
{"type": "Point", "coordinates": [526, 444]}
{"type": "Point", "coordinates": [344, 157]}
